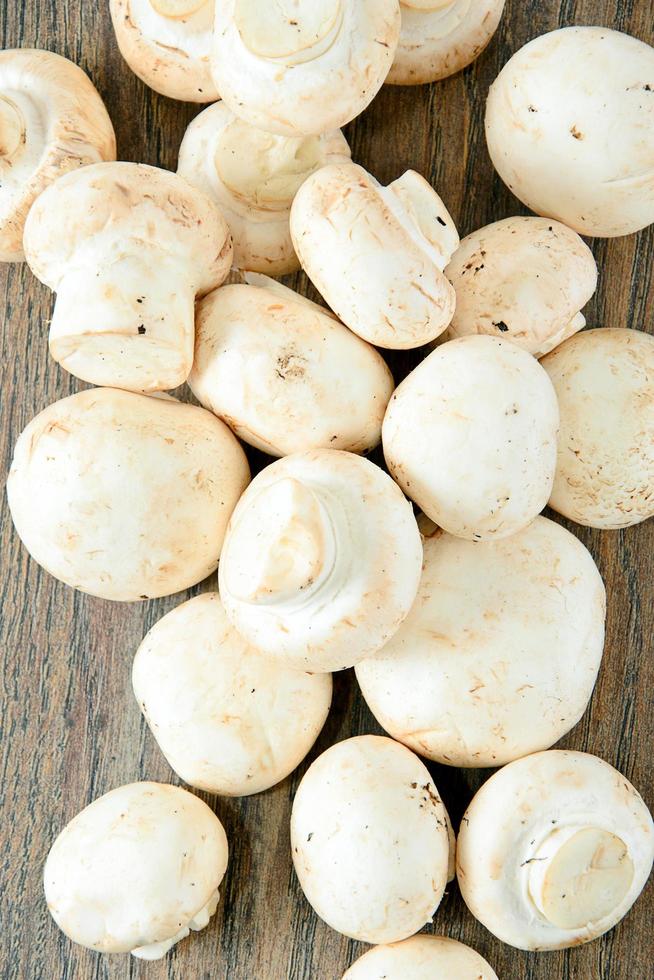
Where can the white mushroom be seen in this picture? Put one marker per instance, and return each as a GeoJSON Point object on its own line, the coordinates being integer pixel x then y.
{"type": "Point", "coordinates": [228, 720]}
{"type": "Point", "coordinates": [124, 496]}
{"type": "Point", "coordinates": [499, 655]}
{"type": "Point", "coordinates": [441, 37]}
{"type": "Point", "coordinates": [421, 958]}
{"type": "Point", "coordinates": [127, 248]}
{"type": "Point", "coordinates": [525, 279]}
{"type": "Point", "coordinates": [554, 850]}
{"type": "Point", "coordinates": [321, 561]}
{"type": "Point", "coordinates": [284, 373]}
{"type": "Point", "coordinates": [52, 120]}
{"type": "Point", "coordinates": [297, 67]}
{"type": "Point", "coordinates": [569, 123]}
{"type": "Point", "coordinates": [604, 381]}
{"type": "Point", "coordinates": [377, 253]}
{"type": "Point", "coordinates": [253, 176]}
{"type": "Point", "coordinates": [167, 43]}
{"type": "Point", "coordinates": [481, 461]}
{"type": "Point", "coordinates": [136, 870]}
{"type": "Point", "coordinates": [369, 840]}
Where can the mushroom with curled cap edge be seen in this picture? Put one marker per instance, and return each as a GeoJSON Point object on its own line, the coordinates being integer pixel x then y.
{"type": "Point", "coordinates": [422, 957]}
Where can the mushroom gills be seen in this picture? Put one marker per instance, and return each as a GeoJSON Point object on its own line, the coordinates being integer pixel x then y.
{"type": "Point", "coordinates": [155, 951]}
{"type": "Point", "coordinates": [288, 31]}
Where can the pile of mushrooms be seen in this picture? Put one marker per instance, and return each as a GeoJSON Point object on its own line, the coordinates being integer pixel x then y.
{"type": "Point", "coordinates": [477, 630]}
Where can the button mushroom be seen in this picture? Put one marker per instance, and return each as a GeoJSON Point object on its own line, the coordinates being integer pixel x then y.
{"type": "Point", "coordinates": [421, 958]}
{"type": "Point", "coordinates": [136, 870]}
{"type": "Point", "coordinates": [253, 176]}
{"type": "Point", "coordinates": [167, 44]}
{"type": "Point", "coordinates": [554, 850]}
{"type": "Point", "coordinates": [297, 67]}
{"type": "Point", "coordinates": [321, 561]}
{"type": "Point", "coordinates": [603, 379]}
{"type": "Point", "coordinates": [139, 244]}
{"type": "Point", "coordinates": [369, 840]}
{"type": "Point", "coordinates": [139, 492]}
{"type": "Point", "coordinates": [522, 278]}
{"type": "Point", "coordinates": [228, 720]}
{"type": "Point", "coordinates": [481, 462]}
{"type": "Point", "coordinates": [377, 253]}
{"type": "Point", "coordinates": [441, 37]}
{"type": "Point", "coordinates": [284, 373]}
{"type": "Point", "coordinates": [52, 120]}
{"type": "Point", "coordinates": [499, 655]}
{"type": "Point", "coordinates": [568, 124]}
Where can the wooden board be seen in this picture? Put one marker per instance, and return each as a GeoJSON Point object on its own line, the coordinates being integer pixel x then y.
{"type": "Point", "coordinates": [71, 729]}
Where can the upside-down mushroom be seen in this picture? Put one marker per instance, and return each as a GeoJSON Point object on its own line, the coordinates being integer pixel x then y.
{"type": "Point", "coordinates": [422, 957]}
{"type": "Point", "coordinates": [568, 124]}
{"type": "Point", "coordinates": [470, 436]}
{"type": "Point", "coordinates": [167, 44]}
{"type": "Point", "coordinates": [52, 120]}
{"type": "Point", "coordinates": [441, 37]}
{"type": "Point", "coordinates": [228, 720]}
{"type": "Point", "coordinates": [139, 492]}
{"type": "Point", "coordinates": [554, 850]}
{"type": "Point", "coordinates": [369, 840]}
{"type": "Point", "coordinates": [523, 279]}
{"type": "Point", "coordinates": [284, 374]}
{"type": "Point", "coordinates": [127, 248]}
{"type": "Point", "coordinates": [253, 176]}
{"type": "Point", "coordinates": [377, 254]}
{"type": "Point", "coordinates": [297, 67]}
{"type": "Point", "coordinates": [136, 870]}
{"type": "Point", "coordinates": [321, 561]}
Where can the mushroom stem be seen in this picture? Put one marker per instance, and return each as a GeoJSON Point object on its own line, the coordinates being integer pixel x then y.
{"type": "Point", "coordinates": [130, 306]}
{"type": "Point", "coordinates": [425, 212]}
{"type": "Point", "coordinates": [428, 5]}
{"type": "Point", "coordinates": [289, 32]}
{"type": "Point", "coordinates": [12, 131]}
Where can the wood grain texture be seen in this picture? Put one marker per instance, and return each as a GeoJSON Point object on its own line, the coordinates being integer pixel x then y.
{"type": "Point", "coordinates": [71, 729]}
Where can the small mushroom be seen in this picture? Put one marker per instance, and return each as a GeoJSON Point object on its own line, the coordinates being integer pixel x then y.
{"type": "Point", "coordinates": [124, 496]}
{"type": "Point", "coordinates": [568, 125]}
{"type": "Point", "coordinates": [499, 655]}
{"type": "Point", "coordinates": [554, 850]}
{"type": "Point", "coordinates": [136, 870]}
{"type": "Point", "coordinates": [284, 373]}
{"type": "Point", "coordinates": [377, 254]}
{"type": "Point", "coordinates": [422, 957]}
{"type": "Point", "coordinates": [481, 462]}
{"type": "Point", "coordinates": [297, 67]}
{"type": "Point", "coordinates": [253, 176]}
{"type": "Point", "coordinates": [127, 248]}
{"type": "Point", "coordinates": [321, 561]}
{"type": "Point", "coordinates": [52, 120]}
{"type": "Point", "coordinates": [524, 279]}
{"type": "Point", "coordinates": [441, 37]}
{"type": "Point", "coordinates": [369, 840]}
{"type": "Point", "coordinates": [228, 720]}
{"type": "Point", "coordinates": [604, 381]}
{"type": "Point", "coordinates": [167, 44]}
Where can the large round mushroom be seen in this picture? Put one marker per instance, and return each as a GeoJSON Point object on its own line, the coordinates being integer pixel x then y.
{"type": "Point", "coordinates": [423, 957]}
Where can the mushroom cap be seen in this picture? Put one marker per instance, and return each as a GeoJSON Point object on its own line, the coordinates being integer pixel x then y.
{"type": "Point", "coordinates": [377, 253]}
{"type": "Point", "coordinates": [138, 867]}
{"type": "Point", "coordinates": [302, 67]}
{"type": "Point", "coordinates": [228, 720]}
{"type": "Point", "coordinates": [321, 561]}
{"type": "Point", "coordinates": [604, 381]}
{"type": "Point", "coordinates": [568, 124]}
{"type": "Point", "coordinates": [253, 176]}
{"type": "Point", "coordinates": [499, 654]}
{"type": "Point", "coordinates": [481, 463]}
{"type": "Point", "coordinates": [285, 375]}
{"type": "Point", "coordinates": [139, 492]}
{"type": "Point", "coordinates": [441, 37]}
{"type": "Point", "coordinates": [52, 120]}
{"type": "Point", "coordinates": [422, 957]}
{"type": "Point", "coordinates": [525, 279]}
{"type": "Point", "coordinates": [554, 850]}
{"type": "Point", "coordinates": [369, 840]}
{"type": "Point", "coordinates": [167, 44]}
